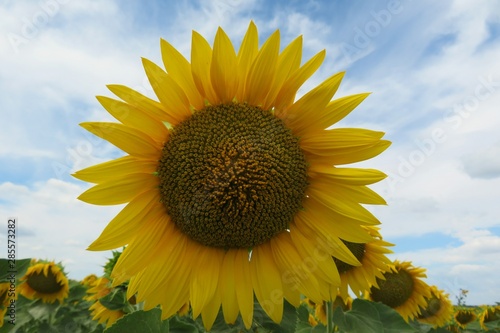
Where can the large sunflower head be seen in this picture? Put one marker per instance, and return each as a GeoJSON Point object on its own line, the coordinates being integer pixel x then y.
{"type": "Point", "coordinates": [46, 281]}
{"type": "Point", "coordinates": [438, 310]}
{"type": "Point", "coordinates": [373, 262]}
{"type": "Point", "coordinates": [402, 289]}
{"type": "Point", "coordinates": [489, 314]}
{"type": "Point", "coordinates": [228, 175]}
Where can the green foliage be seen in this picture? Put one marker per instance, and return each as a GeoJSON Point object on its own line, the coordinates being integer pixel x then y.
{"type": "Point", "coordinates": [370, 317]}
{"type": "Point", "coordinates": [34, 316]}
{"type": "Point", "coordinates": [17, 267]}
{"type": "Point", "coordinates": [73, 316]}
{"type": "Point", "coordinates": [115, 300]}
{"type": "Point", "coordinates": [140, 321]}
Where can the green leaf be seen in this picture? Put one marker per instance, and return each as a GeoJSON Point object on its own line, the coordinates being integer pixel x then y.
{"type": "Point", "coordinates": [98, 329]}
{"type": "Point", "coordinates": [370, 317]}
{"type": "Point", "coordinates": [181, 325]}
{"type": "Point", "coordinates": [13, 268]}
{"type": "Point", "coordinates": [115, 300]}
{"type": "Point", "coordinates": [439, 330]}
{"type": "Point", "coordinates": [303, 325]}
{"type": "Point", "coordinates": [493, 324]}
{"type": "Point", "coordinates": [140, 321]}
{"type": "Point", "coordinates": [391, 319]}
{"type": "Point", "coordinates": [287, 325]}
{"type": "Point", "coordinates": [76, 291]}
{"type": "Point", "coordinates": [40, 310]}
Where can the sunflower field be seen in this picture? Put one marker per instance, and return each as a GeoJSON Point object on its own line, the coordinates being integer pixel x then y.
{"type": "Point", "coordinates": [242, 211]}
{"type": "Point", "coordinates": [48, 302]}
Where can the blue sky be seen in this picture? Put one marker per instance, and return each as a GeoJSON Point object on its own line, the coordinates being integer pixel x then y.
{"type": "Point", "coordinates": [432, 69]}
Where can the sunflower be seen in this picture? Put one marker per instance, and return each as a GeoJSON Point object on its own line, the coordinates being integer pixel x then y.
{"type": "Point", "coordinates": [438, 310]}
{"type": "Point", "coordinates": [100, 313]}
{"type": "Point", "coordinates": [373, 261]}
{"type": "Point", "coordinates": [312, 321]}
{"type": "Point", "coordinates": [5, 300]}
{"type": "Point", "coordinates": [489, 314]}
{"type": "Point", "coordinates": [46, 281]}
{"type": "Point", "coordinates": [232, 186]}
{"type": "Point", "coordinates": [345, 303]}
{"type": "Point", "coordinates": [103, 315]}
{"type": "Point", "coordinates": [89, 280]}
{"type": "Point", "coordinates": [402, 289]}
{"type": "Point", "coordinates": [464, 316]}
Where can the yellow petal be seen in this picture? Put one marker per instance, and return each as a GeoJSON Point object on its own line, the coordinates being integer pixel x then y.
{"type": "Point", "coordinates": [209, 312]}
{"type": "Point", "coordinates": [139, 101]}
{"type": "Point", "coordinates": [173, 246]}
{"type": "Point", "coordinates": [316, 257]}
{"type": "Point", "coordinates": [262, 71]}
{"type": "Point", "coordinates": [348, 155]}
{"type": "Point", "coordinates": [205, 278]}
{"type": "Point", "coordinates": [266, 280]}
{"type": "Point", "coordinates": [118, 191]}
{"type": "Point", "coordinates": [133, 117]}
{"type": "Point", "coordinates": [346, 208]}
{"type": "Point", "coordinates": [246, 55]}
{"type": "Point", "coordinates": [117, 168]}
{"type": "Point", "coordinates": [227, 287]}
{"type": "Point", "coordinates": [317, 230]}
{"type": "Point", "coordinates": [329, 223]}
{"type": "Point", "coordinates": [143, 247]}
{"type": "Point", "coordinates": [294, 266]}
{"type": "Point", "coordinates": [223, 68]}
{"type": "Point", "coordinates": [334, 112]}
{"type": "Point", "coordinates": [349, 176]}
{"type": "Point", "coordinates": [176, 286]}
{"type": "Point", "coordinates": [130, 140]}
{"type": "Point", "coordinates": [244, 288]}
{"type": "Point", "coordinates": [180, 70]}
{"type": "Point", "coordinates": [300, 114]}
{"type": "Point", "coordinates": [288, 62]}
{"type": "Point", "coordinates": [328, 142]}
{"type": "Point", "coordinates": [122, 229]}
{"type": "Point", "coordinates": [287, 93]}
{"type": "Point", "coordinates": [361, 194]}
{"type": "Point", "coordinates": [201, 58]}
{"type": "Point", "coordinates": [169, 93]}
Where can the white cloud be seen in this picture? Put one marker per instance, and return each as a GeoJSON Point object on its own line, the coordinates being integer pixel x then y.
{"type": "Point", "coordinates": [483, 163]}
{"type": "Point", "coordinates": [54, 225]}
{"type": "Point", "coordinates": [473, 265]}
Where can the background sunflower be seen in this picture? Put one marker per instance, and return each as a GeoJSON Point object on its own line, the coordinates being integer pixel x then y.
{"type": "Point", "coordinates": [438, 310]}
{"type": "Point", "coordinates": [46, 281]}
{"type": "Point", "coordinates": [402, 289]}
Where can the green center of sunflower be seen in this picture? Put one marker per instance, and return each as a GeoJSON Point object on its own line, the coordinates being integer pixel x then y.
{"type": "Point", "coordinates": [232, 176]}
{"type": "Point", "coordinates": [395, 290]}
{"type": "Point", "coordinates": [433, 306]}
{"type": "Point", "coordinates": [44, 284]}
{"type": "Point", "coordinates": [357, 249]}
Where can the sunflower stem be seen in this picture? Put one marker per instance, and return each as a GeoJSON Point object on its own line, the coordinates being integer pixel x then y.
{"type": "Point", "coordinates": [329, 316]}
